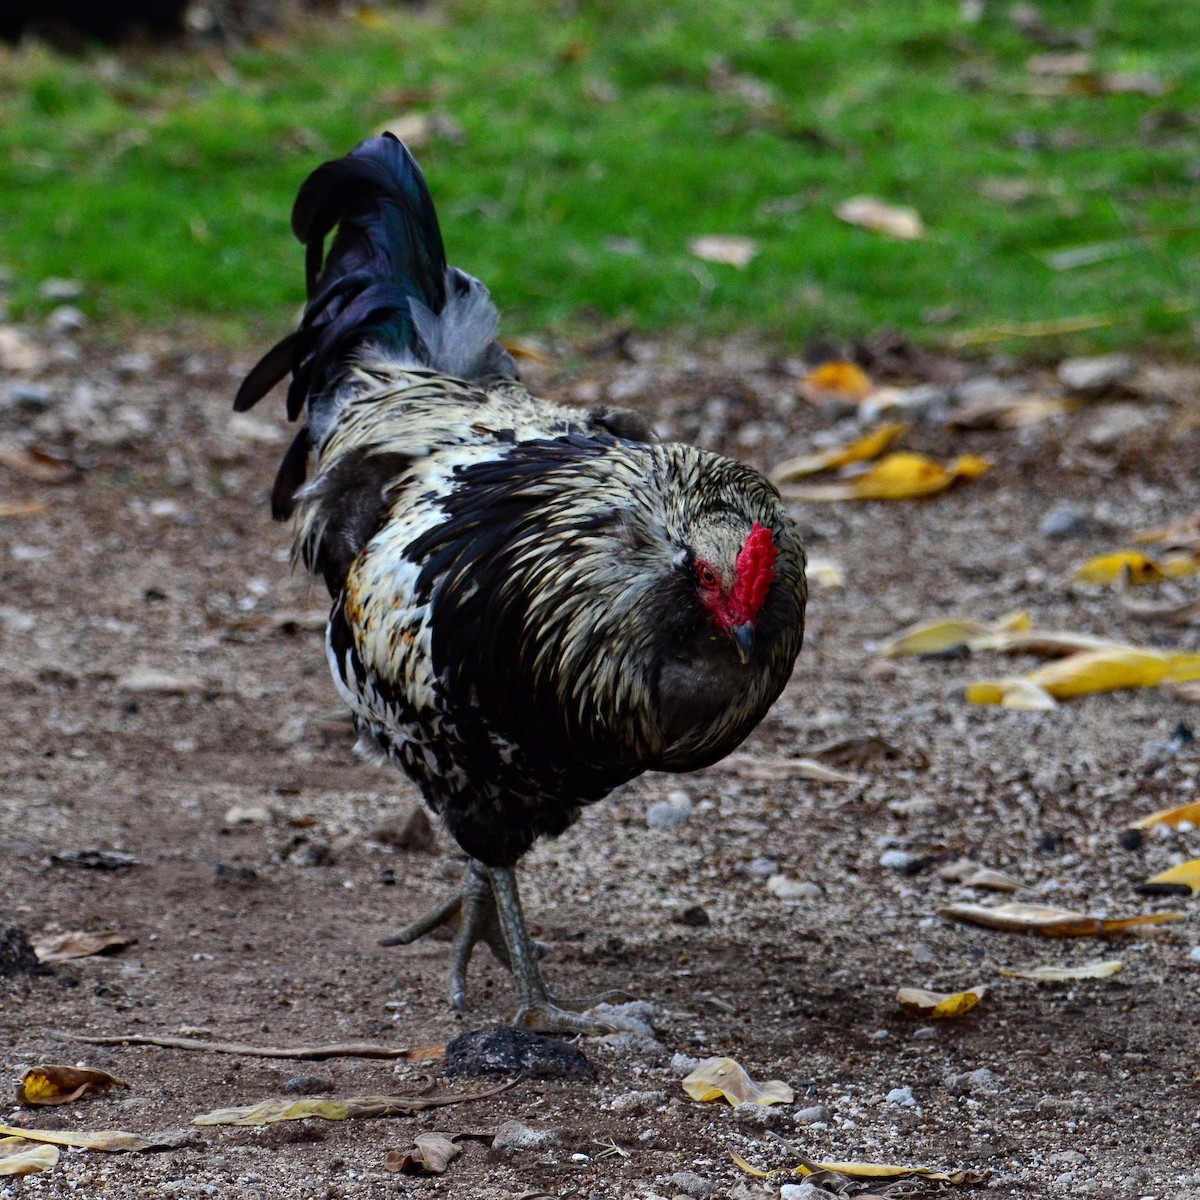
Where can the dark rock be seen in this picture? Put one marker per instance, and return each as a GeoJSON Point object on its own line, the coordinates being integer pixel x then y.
{"type": "Point", "coordinates": [95, 860]}
{"type": "Point", "coordinates": [305, 1085]}
{"type": "Point", "coordinates": [509, 1051]}
{"type": "Point", "coordinates": [1132, 839]}
{"type": "Point", "coordinates": [244, 876]}
{"type": "Point", "coordinates": [695, 915]}
{"type": "Point", "coordinates": [16, 954]}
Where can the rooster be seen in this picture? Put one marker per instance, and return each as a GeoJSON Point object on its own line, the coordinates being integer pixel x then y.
{"type": "Point", "coordinates": [532, 604]}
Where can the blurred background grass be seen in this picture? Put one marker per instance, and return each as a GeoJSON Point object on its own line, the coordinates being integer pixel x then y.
{"type": "Point", "coordinates": [575, 148]}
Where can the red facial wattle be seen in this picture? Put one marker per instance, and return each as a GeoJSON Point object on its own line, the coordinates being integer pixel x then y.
{"type": "Point", "coordinates": [754, 572]}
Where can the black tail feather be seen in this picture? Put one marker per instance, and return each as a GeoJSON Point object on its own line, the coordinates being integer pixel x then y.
{"type": "Point", "coordinates": [387, 252]}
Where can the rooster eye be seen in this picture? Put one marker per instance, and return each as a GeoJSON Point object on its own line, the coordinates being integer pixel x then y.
{"type": "Point", "coordinates": [707, 576]}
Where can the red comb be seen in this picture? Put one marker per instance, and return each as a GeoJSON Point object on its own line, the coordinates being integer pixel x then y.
{"type": "Point", "coordinates": [755, 569]}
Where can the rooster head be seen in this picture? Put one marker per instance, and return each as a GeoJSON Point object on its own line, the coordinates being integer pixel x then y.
{"type": "Point", "coordinates": [732, 580]}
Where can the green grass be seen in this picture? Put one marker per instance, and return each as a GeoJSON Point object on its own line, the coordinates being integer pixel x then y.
{"type": "Point", "coordinates": [164, 180]}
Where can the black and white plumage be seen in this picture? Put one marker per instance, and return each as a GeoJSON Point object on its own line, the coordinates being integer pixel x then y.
{"type": "Point", "coordinates": [532, 604]}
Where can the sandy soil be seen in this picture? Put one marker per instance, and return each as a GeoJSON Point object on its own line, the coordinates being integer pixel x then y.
{"type": "Point", "coordinates": [262, 926]}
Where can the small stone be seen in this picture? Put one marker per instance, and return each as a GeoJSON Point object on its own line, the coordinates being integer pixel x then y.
{"type": "Point", "coordinates": [247, 814]}
{"type": "Point", "coordinates": [66, 319]}
{"type": "Point", "coordinates": [243, 876]}
{"type": "Point", "coordinates": [671, 812]}
{"type": "Point", "coordinates": [761, 867]}
{"type": "Point", "coordinates": [636, 1102]}
{"type": "Point", "coordinates": [818, 1114]}
{"type": "Point", "coordinates": [30, 396]}
{"type": "Point", "coordinates": [880, 1035]}
{"type": "Point", "coordinates": [1194, 955]}
{"type": "Point", "coordinates": [306, 1085]}
{"type": "Point", "coordinates": [1065, 521]}
{"type": "Point", "coordinates": [967, 1083]}
{"type": "Point", "coordinates": [508, 1051]}
{"type": "Point", "coordinates": [60, 289]}
{"type": "Point", "coordinates": [925, 1034]}
{"type": "Point", "coordinates": [897, 860]}
{"type": "Point", "coordinates": [792, 889]}
{"type": "Point", "coordinates": [1095, 376]}
{"type": "Point", "coordinates": [802, 1191]}
{"type": "Point", "coordinates": [684, 1064]}
{"type": "Point", "coordinates": [691, 1184]}
{"type": "Point", "coordinates": [902, 1097]}
{"type": "Point", "coordinates": [312, 854]}
{"type": "Point", "coordinates": [512, 1135]}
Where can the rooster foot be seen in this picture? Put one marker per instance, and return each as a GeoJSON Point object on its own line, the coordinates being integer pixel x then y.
{"type": "Point", "coordinates": [486, 907]}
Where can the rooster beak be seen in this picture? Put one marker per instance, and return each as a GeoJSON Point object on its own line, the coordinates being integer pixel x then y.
{"type": "Point", "coordinates": [743, 640]}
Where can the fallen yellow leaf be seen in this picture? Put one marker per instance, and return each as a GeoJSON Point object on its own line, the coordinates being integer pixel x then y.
{"type": "Point", "coordinates": [1102, 671]}
{"type": "Point", "coordinates": [20, 1156]}
{"type": "Point", "coordinates": [870, 445]}
{"type": "Point", "coordinates": [1050, 922]}
{"type": "Point", "coordinates": [858, 1170]}
{"type": "Point", "coordinates": [901, 475]}
{"type": "Point", "coordinates": [715, 1078]}
{"type": "Point", "coordinates": [1188, 814]}
{"type": "Point", "coordinates": [844, 380]}
{"type": "Point", "coordinates": [923, 1003]}
{"type": "Point", "coordinates": [1012, 692]}
{"type": "Point", "coordinates": [1124, 566]}
{"type": "Point", "coordinates": [937, 637]}
{"type": "Point", "coordinates": [1096, 970]}
{"type": "Point", "coordinates": [116, 1141]}
{"type": "Point", "coordinates": [54, 1084]}
{"type": "Point", "coordinates": [1186, 874]}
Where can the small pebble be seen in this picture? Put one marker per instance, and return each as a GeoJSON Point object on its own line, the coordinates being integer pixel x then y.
{"type": "Point", "coordinates": [902, 1097]}
{"type": "Point", "coordinates": [671, 812]}
{"type": "Point", "coordinates": [818, 1114]}
{"type": "Point", "coordinates": [802, 1191]}
{"type": "Point", "coordinates": [1194, 955]}
{"type": "Point", "coordinates": [636, 1102]}
{"type": "Point", "coordinates": [66, 318]}
{"type": "Point", "coordinates": [691, 1184]}
{"type": "Point", "coordinates": [968, 1083]}
{"type": "Point", "coordinates": [880, 1035]}
{"type": "Point", "coordinates": [512, 1135]}
{"type": "Point", "coordinates": [60, 289]}
{"type": "Point", "coordinates": [1095, 376]}
{"type": "Point", "coordinates": [896, 860]}
{"type": "Point", "coordinates": [925, 1034]}
{"type": "Point", "coordinates": [695, 916]}
{"type": "Point", "coordinates": [761, 867]}
{"type": "Point", "coordinates": [1065, 521]}
{"type": "Point", "coordinates": [792, 889]}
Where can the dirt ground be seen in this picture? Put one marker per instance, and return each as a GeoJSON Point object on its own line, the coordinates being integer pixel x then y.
{"type": "Point", "coordinates": [162, 669]}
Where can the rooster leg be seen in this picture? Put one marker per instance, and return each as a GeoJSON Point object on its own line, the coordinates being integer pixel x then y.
{"type": "Point", "coordinates": [473, 909]}
{"type": "Point", "coordinates": [539, 1009]}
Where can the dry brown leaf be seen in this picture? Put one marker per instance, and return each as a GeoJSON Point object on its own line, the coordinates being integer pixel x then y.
{"type": "Point", "coordinates": [311, 1053]}
{"type": "Point", "coordinates": [869, 446]}
{"type": "Point", "coordinates": [1050, 922]}
{"type": "Point", "coordinates": [1047, 974]}
{"type": "Point", "coordinates": [21, 508]}
{"type": "Point", "coordinates": [431, 1154]}
{"type": "Point", "coordinates": [39, 465]}
{"type": "Point", "coordinates": [939, 1005]}
{"type": "Point", "coordinates": [19, 1156]}
{"type": "Point", "coordinates": [1003, 412]}
{"type": "Point", "coordinates": [80, 943]}
{"type": "Point", "coordinates": [51, 1083]}
{"type": "Point", "coordinates": [715, 1078]}
{"type": "Point", "coordinates": [869, 212]}
{"type": "Point", "coordinates": [726, 248]}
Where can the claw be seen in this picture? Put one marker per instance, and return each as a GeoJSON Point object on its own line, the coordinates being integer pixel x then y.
{"type": "Point", "coordinates": [487, 908]}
